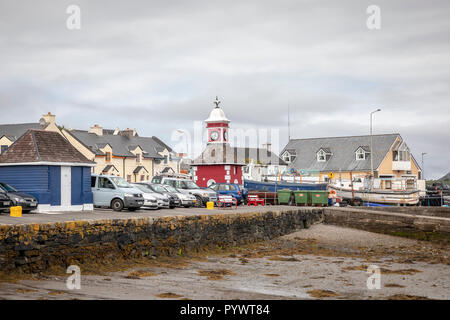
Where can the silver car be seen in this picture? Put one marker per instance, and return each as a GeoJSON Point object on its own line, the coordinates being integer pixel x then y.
{"type": "Point", "coordinates": [187, 200]}
{"type": "Point", "coordinates": [162, 201]}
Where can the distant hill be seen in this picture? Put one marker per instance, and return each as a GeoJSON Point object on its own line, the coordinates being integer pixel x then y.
{"type": "Point", "coordinates": [445, 178]}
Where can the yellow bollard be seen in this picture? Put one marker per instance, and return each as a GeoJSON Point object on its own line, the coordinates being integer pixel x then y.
{"type": "Point", "coordinates": [15, 211]}
{"type": "Point", "coordinates": [210, 205]}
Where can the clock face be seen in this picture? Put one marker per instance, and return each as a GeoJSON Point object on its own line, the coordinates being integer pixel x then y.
{"type": "Point", "coordinates": [214, 135]}
{"type": "Point", "coordinates": [225, 135]}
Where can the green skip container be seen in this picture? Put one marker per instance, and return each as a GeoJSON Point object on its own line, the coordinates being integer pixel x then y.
{"type": "Point", "coordinates": [319, 197]}
{"type": "Point", "coordinates": [301, 197]}
{"type": "Point", "coordinates": [284, 196]}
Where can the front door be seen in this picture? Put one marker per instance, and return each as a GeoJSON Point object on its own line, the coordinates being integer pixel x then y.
{"type": "Point", "coordinates": [66, 186]}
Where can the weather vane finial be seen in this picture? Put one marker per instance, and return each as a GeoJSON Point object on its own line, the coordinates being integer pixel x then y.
{"type": "Point", "coordinates": [217, 102]}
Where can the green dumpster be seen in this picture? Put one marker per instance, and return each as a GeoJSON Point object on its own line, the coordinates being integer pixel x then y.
{"type": "Point", "coordinates": [301, 197]}
{"type": "Point", "coordinates": [319, 197]}
{"type": "Point", "coordinates": [284, 196]}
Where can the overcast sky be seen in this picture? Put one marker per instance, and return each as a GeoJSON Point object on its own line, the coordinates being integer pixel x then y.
{"type": "Point", "coordinates": [157, 66]}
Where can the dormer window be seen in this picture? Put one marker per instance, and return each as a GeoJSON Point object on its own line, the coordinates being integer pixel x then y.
{"type": "Point", "coordinates": [321, 156]}
{"type": "Point", "coordinates": [287, 157]}
{"type": "Point", "coordinates": [361, 153]}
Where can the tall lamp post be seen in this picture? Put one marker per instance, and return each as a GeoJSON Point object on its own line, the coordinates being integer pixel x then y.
{"type": "Point", "coordinates": [181, 131]}
{"type": "Point", "coordinates": [371, 147]}
{"type": "Point", "coordinates": [423, 169]}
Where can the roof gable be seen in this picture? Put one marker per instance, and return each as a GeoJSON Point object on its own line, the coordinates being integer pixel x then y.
{"type": "Point", "coordinates": [343, 152]}
{"type": "Point", "coordinates": [121, 145]}
{"type": "Point", "coordinates": [42, 146]}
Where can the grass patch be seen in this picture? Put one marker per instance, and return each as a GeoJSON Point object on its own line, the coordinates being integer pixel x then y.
{"type": "Point", "coordinates": [393, 285]}
{"type": "Point", "coordinates": [406, 297]}
{"type": "Point", "coordinates": [215, 274]}
{"type": "Point", "coordinates": [169, 295]}
{"type": "Point", "coordinates": [322, 293]}
{"type": "Point", "coordinates": [138, 274]}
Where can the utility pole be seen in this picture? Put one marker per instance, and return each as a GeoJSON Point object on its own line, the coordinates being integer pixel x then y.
{"type": "Point", "coordinates": [423, 169]}
{"type": "Point", "coordinates": [289, 124]}
{"type": "Point", "coordinates": [371, 148]}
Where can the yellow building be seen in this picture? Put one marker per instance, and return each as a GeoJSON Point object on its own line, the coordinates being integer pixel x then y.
{"type": "Point", "coordinates": [350, 157]}
{"type": "Point", "coordinates": [9, 133]}
{"type": "Point", "coordinates": [123, 152]}
{"type": "Point", "coordinates": [118, 152]}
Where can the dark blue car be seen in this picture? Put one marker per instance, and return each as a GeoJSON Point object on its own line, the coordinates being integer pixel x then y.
{"type": "Point", "coordinates": [232, 189]}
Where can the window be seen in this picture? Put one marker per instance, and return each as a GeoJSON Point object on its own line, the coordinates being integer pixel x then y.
{"type": "Point", "coordinates": [108, 156]}
{"type": "Point", "coordinates": [165, 159]}
{"type": "Point", "coordinates": [321, 156]}
{"type": "Point", "coordinates": [3, 148]}
{"type": "Point", "coordinates": [129, 177]}
{"type": "Point", "coordinates": [138, 158]}
{"type": "Point", "coordinates": [287, 157]}
{"type": "Point", "coordinates": [213, 153]}
{"type": "Point", "coordinates": [360, 154]}
{"type": "Point", "coordinates": [93, 182]}
{"type": "Point", "coordinates": [142, 177]}
{"type": "Point", "coordinates": [105, 183]}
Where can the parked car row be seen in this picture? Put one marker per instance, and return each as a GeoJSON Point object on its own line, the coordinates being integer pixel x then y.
{"type": "Point", "coordinates": [118, 194]}
{"type": "Point", "coordinates": [10, 196]}
{"type": "Point", "coordinates": [160, 192]}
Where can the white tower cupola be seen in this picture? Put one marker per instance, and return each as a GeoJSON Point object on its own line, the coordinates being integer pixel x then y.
{"type": "Point", "coordinates": [217, 125]}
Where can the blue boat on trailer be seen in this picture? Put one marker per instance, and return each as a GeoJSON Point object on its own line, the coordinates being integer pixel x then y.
{"type": "Point", "coordinates": [274, 186]}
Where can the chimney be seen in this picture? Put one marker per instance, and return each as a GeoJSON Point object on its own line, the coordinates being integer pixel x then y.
{"type": "Point", "coordinates": [49, 117]}
{"type": "Point", "coordinates": [116, 131]}
{"type": "Point", "coordinates": [129, 133]}
{"type": "Point", "coordinates": [267, 146]}
{"type": "Point", "coordinates": [96, 129]}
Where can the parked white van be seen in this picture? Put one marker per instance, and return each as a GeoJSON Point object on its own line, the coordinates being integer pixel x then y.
{"type": "Point", "coordinates": [116, 193]}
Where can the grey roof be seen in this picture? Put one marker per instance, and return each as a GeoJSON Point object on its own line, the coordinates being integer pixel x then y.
{"type": "Point", "coordinates": [109, 167]}
{"type": "Point", "coordinates": [15, 131]}
{"type": "Point", "coordinates": [224, 153]}
{"type": "Point", "coordinates": [121, 145]}
{"type": "Point", "coordinates": [342, 151]}
{"type": "Point", "coordinates": [139, 168]}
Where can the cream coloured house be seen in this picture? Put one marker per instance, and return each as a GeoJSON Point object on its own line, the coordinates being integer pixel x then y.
{"type": "Point", "coordinates": [349, 158]}
{"type": "Point", "coordinates": [117, 152]}
{"type": "Point", "coordinates": [9, 133]}
{"type": "Point", "coordinates": [123, 152]}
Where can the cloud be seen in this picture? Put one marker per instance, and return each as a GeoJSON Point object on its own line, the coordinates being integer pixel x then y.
{"type": "Point", "coordinates": [157, 66]}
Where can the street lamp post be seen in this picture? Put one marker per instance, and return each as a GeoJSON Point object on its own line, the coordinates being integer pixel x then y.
{"type": "Point", "coordinates": [423, 168]}
{"type": "Point", "coordinates": [371, 147]}
{"type": "Point", "coordinates": [186, 137]}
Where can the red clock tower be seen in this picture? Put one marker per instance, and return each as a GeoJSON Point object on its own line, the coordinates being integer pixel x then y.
{"type": "Point", "coordinates": [218, 162]}
{"type": "Point", "coordinates": [217, 125]}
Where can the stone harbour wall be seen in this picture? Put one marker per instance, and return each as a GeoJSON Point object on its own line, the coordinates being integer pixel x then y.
{"type": "Point", "coordinates": [402, 223]}
{"type": "Point", "coordinates": [36, 247]}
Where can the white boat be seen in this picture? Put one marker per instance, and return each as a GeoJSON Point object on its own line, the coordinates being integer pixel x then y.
{"type": "Point", "coordinates": [405, 194]}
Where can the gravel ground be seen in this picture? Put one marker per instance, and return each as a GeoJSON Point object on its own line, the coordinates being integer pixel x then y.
{"type": "Point", "coordinates": [323, 262]}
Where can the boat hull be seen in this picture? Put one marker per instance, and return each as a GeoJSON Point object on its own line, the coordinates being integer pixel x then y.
{"type": "Point", "coordinates": [251, 185]}
{"type": "Point", "coordinates": [384, 197]}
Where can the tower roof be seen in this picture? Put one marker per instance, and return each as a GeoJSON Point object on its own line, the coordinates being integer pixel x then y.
{"type": "Point", "coordinates": [217, 114]}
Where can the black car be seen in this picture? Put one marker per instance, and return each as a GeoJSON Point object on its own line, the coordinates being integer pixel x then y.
{"type": "Point", "coordinates": [5, 203]}
{"type": "Point", "coordinates": [17, 198]}
{"type": "Point", "coordinates": [174, 201]}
